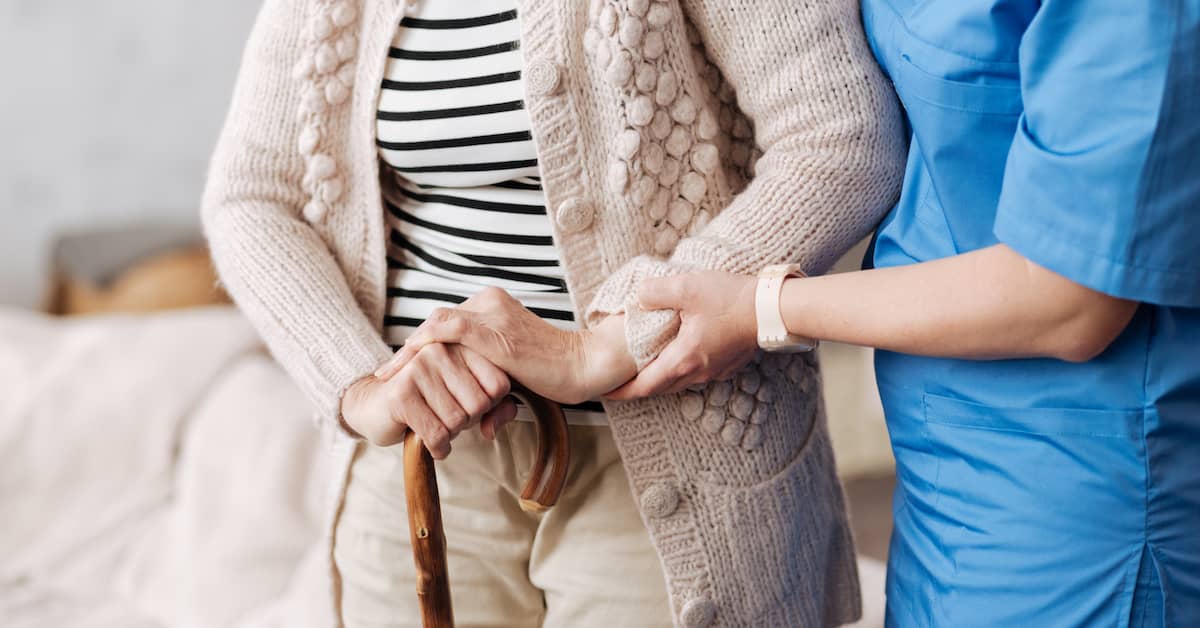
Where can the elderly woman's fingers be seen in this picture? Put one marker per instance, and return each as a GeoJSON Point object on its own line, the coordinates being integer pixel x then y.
{"type": "Point", "coordinates": [493, 334]}
{"type": "Point", "coordinates": [394, 364]}
{"type": "Point", "coordinates": [447, 325]}
{"type": "Point", "coordinates": [443, 325]}
{"type": "Point", "coordinates": [494, 382]}
{"type": "Point", "coordinates": [448, 387]}
{"type": "Point", "coordinates": [497, 418]}
{"type": "Point", "coordinates": [476, 384]}
{"type": "Point", "coordinates": [408, 405]}
{"type": "Point", "coordinates": [550, 361]}
{"type": "Point", "coordinates": [458, 325]}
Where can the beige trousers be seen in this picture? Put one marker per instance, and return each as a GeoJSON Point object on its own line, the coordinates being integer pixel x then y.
{"type": "Point", "coordinates": [587, 562]}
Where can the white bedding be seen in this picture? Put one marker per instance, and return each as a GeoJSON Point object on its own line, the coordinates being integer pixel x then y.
{"type": "Point", "coordinates": [154, 471]}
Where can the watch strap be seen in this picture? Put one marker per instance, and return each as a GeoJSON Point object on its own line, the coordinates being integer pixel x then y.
{"type": "Point", "coordinates": [772, 333]}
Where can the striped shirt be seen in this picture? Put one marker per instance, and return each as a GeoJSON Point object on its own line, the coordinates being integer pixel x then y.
{"type": "Point", "coordinates": [466, 210]}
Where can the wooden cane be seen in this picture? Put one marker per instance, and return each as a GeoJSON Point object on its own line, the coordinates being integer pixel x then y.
{"type": "Point", "coordinates": [540, 493]}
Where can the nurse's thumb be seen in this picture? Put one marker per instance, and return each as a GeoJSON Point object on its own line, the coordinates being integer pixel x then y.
{"type": "Point", "coordinates": [665, 293]}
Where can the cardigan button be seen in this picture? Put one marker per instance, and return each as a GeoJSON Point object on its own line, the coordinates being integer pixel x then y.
{"type": "Point", "coordinates": [698, 613]}
{"type": "Point", "coordinates": [542, 78]}
{"type": "Point", "coordinates": [574, 215]}
{"type": "Point", "coordinates": [660, 500]}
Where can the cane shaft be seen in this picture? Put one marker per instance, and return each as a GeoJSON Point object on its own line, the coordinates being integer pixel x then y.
{"type": "Point", "coordinates": [542, 489]}
{"type": "Point", "coordinates": [427, 535]}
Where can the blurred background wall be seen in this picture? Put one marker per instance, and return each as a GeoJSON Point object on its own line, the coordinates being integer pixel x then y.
{"type": "Point", "coordinates": [108, 112]}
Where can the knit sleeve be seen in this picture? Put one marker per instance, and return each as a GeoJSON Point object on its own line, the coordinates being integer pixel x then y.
{"type": "Point", "coordinates": [269, 258]}
{"type": "Point", "coordinates": [832, 144]}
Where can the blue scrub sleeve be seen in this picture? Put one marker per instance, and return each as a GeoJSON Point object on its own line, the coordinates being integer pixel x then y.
{"type": "Point", "coordinates": [1102, 183]}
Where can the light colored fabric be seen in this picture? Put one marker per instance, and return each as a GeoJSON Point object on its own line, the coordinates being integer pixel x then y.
{"type": "Point", "coordinates": [588, 562]}
{"type": "Point", "coordinates": [651, 165]}
{"type": "Point", "coordinates": [158, 471]}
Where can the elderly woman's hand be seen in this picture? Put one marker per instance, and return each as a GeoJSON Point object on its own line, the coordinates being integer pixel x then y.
{"type": "Point", "coordinates": [441, 391]}
{"type": "Point", "coordinates": [565, 366]}
{"type": "Point", "coordinates": [717, 332]}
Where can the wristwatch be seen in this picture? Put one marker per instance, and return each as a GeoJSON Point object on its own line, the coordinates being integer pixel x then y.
{"type": "Point", "coordinates": [772, 333]}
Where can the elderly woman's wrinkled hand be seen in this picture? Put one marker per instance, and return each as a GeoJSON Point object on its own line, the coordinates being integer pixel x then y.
{"type": "Point", "coordinates": [565, 366]}
{"type": "Point", "coordinates": [441, 391]}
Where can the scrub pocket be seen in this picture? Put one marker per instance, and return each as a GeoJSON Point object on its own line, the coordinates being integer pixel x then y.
{"type": "Point", "coordinates": [979, 107]}
{"type": "Point", "coordinates": [1040, 513]}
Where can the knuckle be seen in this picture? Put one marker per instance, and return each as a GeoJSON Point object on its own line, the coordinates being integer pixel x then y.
{"type": "Point", "coordinates": [437, 437]}
{"type": "Point", "coordinates": [456, 420]}
{"type": "Point", "coordinates": [457, 326]}
{"type": "Point", "coordinates": [478, 406]}
{"type": "Point", "coordinates": [421, 365]}
{"type": "Point", "coordinates": [434, 351]}
{"type": "Point", "coordinates": [497, 386]}
{"type": "Point", "coordinates": [406, 394]}
{"type": "Point", "coordinates": [492, 294]}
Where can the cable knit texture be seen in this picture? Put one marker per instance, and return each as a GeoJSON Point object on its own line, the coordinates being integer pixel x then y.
{"type": "Point", "coordinates": [672, 135]}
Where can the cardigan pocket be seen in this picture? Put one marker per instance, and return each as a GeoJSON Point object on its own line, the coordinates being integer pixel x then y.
{"type": "Point", "coordinates": [788, 538]}
{"type": "Point", "coordinates": [759, 423]}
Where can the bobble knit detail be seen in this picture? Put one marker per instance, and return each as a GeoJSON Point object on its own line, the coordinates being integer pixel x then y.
{"type": "Point", "coordinates": [328, 71]}
{"type": "Point", "coordinates": [736, 410]}
{"type": "Point", "coordinates": [629, 34]}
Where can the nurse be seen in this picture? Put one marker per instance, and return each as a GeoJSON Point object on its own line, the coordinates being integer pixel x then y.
{"type": "Point", "coordinates": [1035, 298]}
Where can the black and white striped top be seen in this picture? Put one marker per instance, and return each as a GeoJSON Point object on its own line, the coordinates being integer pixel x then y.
{"type": "Point", "coordinates": [467, 209]}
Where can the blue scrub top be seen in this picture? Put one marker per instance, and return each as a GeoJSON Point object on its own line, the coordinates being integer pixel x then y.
{"type": "Point", "coordinates": [1041, 492]}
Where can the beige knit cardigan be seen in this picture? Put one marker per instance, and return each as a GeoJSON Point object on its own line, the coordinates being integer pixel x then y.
{"type": "Point", "coordinates": [672, 134]}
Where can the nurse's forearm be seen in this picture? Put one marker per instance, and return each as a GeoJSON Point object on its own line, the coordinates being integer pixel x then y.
{"type": "Point", "coordinates": [990, 303]}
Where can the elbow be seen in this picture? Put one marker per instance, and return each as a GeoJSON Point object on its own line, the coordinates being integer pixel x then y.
{"type": "Point", "coordinates": [1089, 331]}
{"type": "Point", "coordinates": [1068, 321]}
{"type": "Point", "coordinates": [1081, 348]}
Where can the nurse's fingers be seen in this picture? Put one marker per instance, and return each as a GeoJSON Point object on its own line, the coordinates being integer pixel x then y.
{"type": "Point", "coordinates": [673, 368]}
{"type": "Point", "coordinates": [666, 293]}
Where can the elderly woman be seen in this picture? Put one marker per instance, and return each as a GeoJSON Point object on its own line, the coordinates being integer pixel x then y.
{"type": "Point", "coordinates": [532, 162]}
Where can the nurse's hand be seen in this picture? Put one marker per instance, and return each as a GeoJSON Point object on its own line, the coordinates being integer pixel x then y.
{"type": "Point", "coordinates": [718, 332]}
{"type": "Point", "coordinates": [441, 391]}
